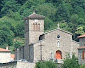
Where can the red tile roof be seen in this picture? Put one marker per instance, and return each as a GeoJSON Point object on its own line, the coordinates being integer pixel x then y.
{"type": "Point", "coordinates": [82, 47]}
{"type": "Point", "coordinates": [81, 36]}
{"type": "Point", "coordinates": [2, 49]}
{"type": "Point", "coordinates": [12, 56]}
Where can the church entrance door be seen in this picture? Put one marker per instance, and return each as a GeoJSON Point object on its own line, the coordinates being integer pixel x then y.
{"type": "Point", "coordinates": [58, 55]}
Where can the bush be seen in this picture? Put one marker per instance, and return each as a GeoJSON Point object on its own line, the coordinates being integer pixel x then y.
{"type": "Point", "coordinates": [82, 66]}
{"type": "Point", "coordinates": [71, 62]}
{"type": "Point", "coordinates": [46, 64]}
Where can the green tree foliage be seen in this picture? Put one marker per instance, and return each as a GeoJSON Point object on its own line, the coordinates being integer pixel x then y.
{"type": "Point", "coordinates": [46, 64]}
{"type": "Point", "coordinates": [82, 66]}
{"type": "Point", "coordinates": [20, 30]}
{"type": "Point", "coordinates": [5, 36]}
{"type": "Point", "coordinates": [79, 30]}
{"type": "Point", "coordinates": [71, 62]}
{"type": "Point", "coordinates": [17, 44]}
{"type": "Point", "coordinates": [8, 5]}
{"type": "Point", "coordinates": [46, 10]}
{"type": "Point", "coordinates": [72, 12]}
{"type": "Point", "coordinates": [62, 13]}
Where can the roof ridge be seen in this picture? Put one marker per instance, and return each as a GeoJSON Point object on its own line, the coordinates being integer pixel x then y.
{"type": "Point", "coordinates": [58, 29]}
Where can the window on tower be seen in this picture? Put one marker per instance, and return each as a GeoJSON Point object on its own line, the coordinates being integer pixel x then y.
{"type": "Point", "coordinates": [33, 26]}
{"type": "Point", "coordinates": [38, 27]}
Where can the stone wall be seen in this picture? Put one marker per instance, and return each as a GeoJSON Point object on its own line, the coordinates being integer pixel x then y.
{"type": "Point", "coordinates": [80, 60]}
{"type": "Point", "coordinates": [82, 41]}
{"type": "Point", "coordinates": [75, 46]}
{"type": "Point", "coordinates": [25, 65]}
{"type": "Point", "coordinates": [34, 34]}
{"type": "Point", "coordinates": [19, 64]}
{"type": "Point", "coordinates": [49, 45]}
{"type": "Point", "coordinates": [8, 65]}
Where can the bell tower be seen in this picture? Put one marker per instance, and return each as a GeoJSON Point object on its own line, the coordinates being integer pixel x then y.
{"type": "Point", "coordinates": [34, 27]}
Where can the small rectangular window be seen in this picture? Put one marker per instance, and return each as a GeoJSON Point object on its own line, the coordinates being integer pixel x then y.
{"type": "Point", "coordinates": [83, 55]}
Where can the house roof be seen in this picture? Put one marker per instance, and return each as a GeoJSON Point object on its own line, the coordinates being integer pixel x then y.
{"type": "Point", "coordinates": [2, 49]}
{"type": "Point", "coordinates": [81, 36]}
{"type": "Point", "coordinates": [12, 56]}
{"type": "Point", "coordinates": [35, 16]}
{"type": "Point", "coordinates": [82, 47]}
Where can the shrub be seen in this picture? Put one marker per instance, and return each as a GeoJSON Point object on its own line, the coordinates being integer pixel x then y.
{"type": "Point", "coordinates": [71, 62]}
{"type": "Point", "coordinates": [46, 64]}
{"type": "Point", "coordinates": [82, 66]}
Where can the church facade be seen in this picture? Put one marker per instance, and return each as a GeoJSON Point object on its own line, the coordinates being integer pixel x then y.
{"type": "Point", "coordinates": [39, 45]}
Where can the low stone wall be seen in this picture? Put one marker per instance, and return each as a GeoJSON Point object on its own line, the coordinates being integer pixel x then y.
{"type": "Point", "coordinates": [17, 65]}
{"type": "Point", "coordinates": [25, 65]}
{"type": "Point", "coordinates": [8, 65]}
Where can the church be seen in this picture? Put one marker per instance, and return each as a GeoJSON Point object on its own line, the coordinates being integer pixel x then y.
{"type": "Point", "coordinates": [39, 45]}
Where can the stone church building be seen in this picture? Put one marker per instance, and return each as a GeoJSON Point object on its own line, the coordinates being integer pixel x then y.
{"type": "Point", "coordinates": [39, 45]}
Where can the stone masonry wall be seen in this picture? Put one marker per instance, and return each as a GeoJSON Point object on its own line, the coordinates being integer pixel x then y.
{"type": "Point", "coordinates": [50, 45]}
{"type": "Point", "coordinates": [80, 60]}
{"type": "Point", "coordinates": [8, 65]}
{"type": "Point", "coordinates": [82, 41]}
{"type": "Point", "coordinates": [75, 46]}
{"type": "Point", "coordinates": [34, 34]}
{"type": "Point", "coordinates": [25, 65]}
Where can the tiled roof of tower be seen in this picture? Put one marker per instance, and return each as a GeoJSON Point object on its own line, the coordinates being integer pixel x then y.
{"type": "Point", "coordinates": [2, 49]}
{"type": "Point", "coordinates": [81, 36]}
{"type": "Point", "coordinates": [82, 47]}
{"type": "Point", "coordinates": [36, 16]}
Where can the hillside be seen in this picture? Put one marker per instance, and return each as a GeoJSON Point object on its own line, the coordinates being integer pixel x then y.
{"type": "Point", "coordinates": [70, 14]}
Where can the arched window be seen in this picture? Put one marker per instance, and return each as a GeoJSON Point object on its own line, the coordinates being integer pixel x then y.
{"type": "Point", "coordinates": [58, 44]}
{"type": "Point", "coordinates": [38, 27]}
{"type": "Point", "coordinates": [33, 26]}
{"type": "Point", "coordinates": [41, 37]}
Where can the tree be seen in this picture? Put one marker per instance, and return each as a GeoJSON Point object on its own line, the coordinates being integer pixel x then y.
{"type": "Point", "coordinates": [17, 44]}
{"type": "Point", "coordinates": [62, 13]}
{"type": "Point", "coordinates": [9, 5]}
{"type": "Point", "coordinates": [74, 18]}
{"type": "Point", "coordinates": [46, 10]}
{"type": "Point", "coordinates": [48, 24]}
{"type": "Point", "coordinates": [71, 62]}
{"type": "Point", "coordinates": [80, 30]}
{"type": "Point", "coordinates": [20, 30]}
{"type": "Point", "coordinates": [81, 21]}
{"type": "Point", "coordinates": [82, 66]}
{"type": "Point", "coordinates": [5, 38]}
{"type": "Point", "coordinates": [46, 64]}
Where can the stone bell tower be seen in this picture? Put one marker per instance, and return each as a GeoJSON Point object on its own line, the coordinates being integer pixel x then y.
{"type": "Point", "coordinates": [34, 27]}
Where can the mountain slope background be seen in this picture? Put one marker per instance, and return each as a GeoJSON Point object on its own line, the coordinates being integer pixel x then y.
{"type": "Point", "coordinates": [70, 14]}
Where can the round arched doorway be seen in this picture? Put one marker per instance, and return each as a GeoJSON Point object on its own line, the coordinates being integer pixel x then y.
{"type": "Point", "coordinates": [58, 54]}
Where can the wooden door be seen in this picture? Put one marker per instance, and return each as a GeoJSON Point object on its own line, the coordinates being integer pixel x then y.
{"type": "Point", "coordinates": [58, 55]}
